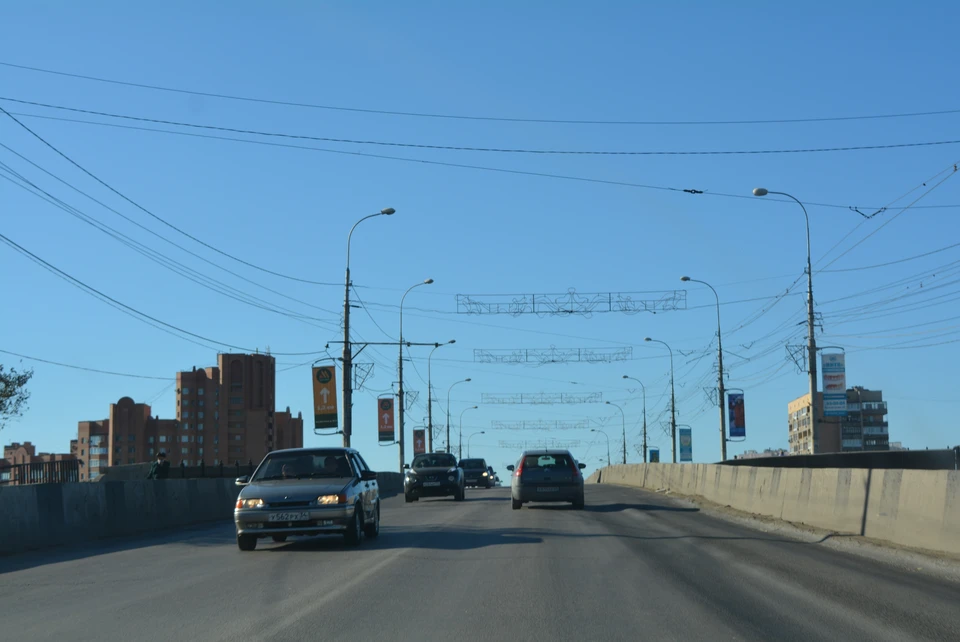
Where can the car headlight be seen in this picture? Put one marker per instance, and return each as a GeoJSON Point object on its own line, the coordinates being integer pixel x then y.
{"type": "Point", "coordinates": [250, 503]}
{"type": "Point", "coordinates": [485, 474]}
{"type": "Point", "coordinates": [331, 499]}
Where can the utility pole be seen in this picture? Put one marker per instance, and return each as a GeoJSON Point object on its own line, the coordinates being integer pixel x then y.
{"type": "Point", "coordinates": [347, 384]}
{"type": "Point", "coordinates": [720, 389]}
{"type": "Point", "coordinates": [449, 390]}
{"type": "Point", "coordinates": [400, 394]}
{"type": "Point", "coordinates": [811, 323]}
{"type": "Point", "coordinates": [644, 389]}
{"type": "Point", "coordinates": [430, 391]}
{"type": "Point", "coordinates": [673, 402]}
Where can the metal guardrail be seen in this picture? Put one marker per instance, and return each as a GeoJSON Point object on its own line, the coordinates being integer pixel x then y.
{"type": "Point", "coordinates": [43, 472]}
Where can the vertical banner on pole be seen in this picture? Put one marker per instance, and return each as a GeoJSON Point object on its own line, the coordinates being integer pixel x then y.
{"type": "Point", "coordinates": [686, 444]}
{"type": "Point", "coordinates": [735, 413]}
{"type": "Point", "coordinates": [654, 455]}
{"type": "Point", "coordinates": [385, 430]}
{"type": "Point", "coordinates": [419, 442]}
{"type": "Point", "coordinates": [324, 397]}
{"type": "Point", "coordinates": [834, 369]}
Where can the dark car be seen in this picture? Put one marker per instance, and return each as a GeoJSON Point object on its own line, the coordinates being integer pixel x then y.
{"type": "Point", "coordinates": [547, 476]}
{"type": "Point", "coordinates": [477, 473]}
{"type": "Point", "coordinates": [433, 475]}
{"type": "Point", "coordinates": [308, 491]}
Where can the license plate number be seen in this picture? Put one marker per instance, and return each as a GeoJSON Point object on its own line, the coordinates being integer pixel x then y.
{"type": "Point", "coordinates": [431, 483]}
{"type": "Point", "coordinates": [290, 517]}
{"type": "Point", "coordinates": [326, 522]}
{"type": "Point", "coordinates": [547, 489]}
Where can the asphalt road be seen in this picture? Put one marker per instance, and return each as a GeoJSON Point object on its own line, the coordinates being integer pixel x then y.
{"type": "Point", "coordinates": [632, 566]}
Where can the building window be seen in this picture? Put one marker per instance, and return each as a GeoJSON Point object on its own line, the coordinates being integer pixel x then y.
{"type": "Point", "coordinates": [132, 437]}
{"type": "Point", "coordinates": [200, 403]}
{"type": "Point", "coordinates": [216, 415]}
{"type": "Point", "coordinates": [200, 451]}
{"type": "Point", "coordinates": [163, 439]}
{"type": "Point", "coordinates": [186, 426]}
{"type": "Point", "coordinates": [238, 438]}
{"type": "Point", "coordinates": [150, 452]}
{"type": "Point", "coordinates": [150, 439]}
{"type": "Point", "coordinates": [117, 450]}
{"type": "Point", "coordinates": [186, 414]}
{"type": "Point", "coordinates": [83, 440]}
{"type": "Point", "coordinates": [117, 437]}
{"type": "Point", "coordinates": [132, 449]}
{"type": "Point", "coordinates": [96, 440]}
{"type": "Point", "coordinates": [200, 391]}
{"type": "Point", "coordinates": [235, 413]}
{"type": "Point", "coordinates": [184, 451]}
{"type": "Point", "coordinates": [200, 415]}
{"type": "Point", "coordinates": [236, 400]}
{"type": "Point", "coordinates": [184, 438]}
{"type": "Point", "coordinates": [200, 439]}
{"type": "Point", "coordinates": [199, 426]}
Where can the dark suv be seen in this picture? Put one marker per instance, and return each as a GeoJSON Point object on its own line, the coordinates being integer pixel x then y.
{"type": "Point", "coordinates": [433, 475]}
{"type": "Point", "coordinates": [476, 473]}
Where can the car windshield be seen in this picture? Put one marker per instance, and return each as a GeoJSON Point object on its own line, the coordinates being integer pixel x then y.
{"type": "Point", "coordinates": [473, 463]}
{"type": "Point", "coordinates": [434, 461]}
{"type": "Point", "coordinates": [304, 465]}
{"type": "Point", "coordinates": [547, 461]}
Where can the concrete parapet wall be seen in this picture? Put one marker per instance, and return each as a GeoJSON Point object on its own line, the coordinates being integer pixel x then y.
{"type": "Point", "coordinates": [915, 508]}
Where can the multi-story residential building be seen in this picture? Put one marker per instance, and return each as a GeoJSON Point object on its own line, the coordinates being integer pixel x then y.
{"type": "Point", "coordinates": [863, 428]}
{"type": "Point", "coordinates": [26, 453]}
{"type": "Point", "coordinates": [224, 414]}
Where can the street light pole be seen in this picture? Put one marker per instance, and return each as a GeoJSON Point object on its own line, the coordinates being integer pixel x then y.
{"type": "Point", "coordinates": [720, 390]}
{"type": "Point", "coordinates": [449, 390]}
{"type": "Point", "coordinates": [430, 392]}
{"type": "Point", "coordinates": [608, 442]}
{"type": "Point", "coordinates": [811, 335]}
{"type": "Point", "coordinates": [644, 388]}
{"type": "Point", "coordinates": [400, 369]}
{"type": "Point", "coordinates": [347, 386]}
{"type": "Point", "coordinates": [623, 419]}
{"type": "Point", "coordinates": [460, 449]}
{"type": "Point", "coordinates": [673, 402]}
{"type": "Point", "coordinates": [471, 437]}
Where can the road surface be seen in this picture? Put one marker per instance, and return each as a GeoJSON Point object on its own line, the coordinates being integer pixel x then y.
{"type": "Point", "coordinates": [632, 566]}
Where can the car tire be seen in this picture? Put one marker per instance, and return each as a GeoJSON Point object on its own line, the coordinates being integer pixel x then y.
{"type": "Point", "coordinates": [373, 530]}
{"type": "Point", "coordinates": [354, 532]}
{"type": "Point", "coordinates": [458, 495]}
{"type": "Point", "coordinates": [517, 504]}
{"type": "Point", "coordinates": [279, 539]}
{"type": "Point", "coordinates": [578, 504]}
{"type": "Point", "coordinates": [407, 498]}
{"type": "Point", "coordinates": [246, 542]}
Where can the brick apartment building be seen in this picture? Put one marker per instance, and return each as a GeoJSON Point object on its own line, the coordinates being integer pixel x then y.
{"type": "Point", "coordinates": [863, 428]}
{"type": "Point", "coordinates": [26, 453]}
{"type": "Point", "coordinates": [225, 413]}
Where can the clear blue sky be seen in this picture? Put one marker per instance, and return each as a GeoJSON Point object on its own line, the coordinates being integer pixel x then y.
{"type": "Point", "coordinates": [478, 231]}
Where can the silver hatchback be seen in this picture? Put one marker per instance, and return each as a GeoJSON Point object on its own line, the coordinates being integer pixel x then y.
{"type": "Point", "coordinates": [547, 476]}
{"type": "Point", "coordinates": [308, 491]}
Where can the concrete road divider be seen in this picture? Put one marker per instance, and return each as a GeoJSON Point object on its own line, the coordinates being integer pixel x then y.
{"type": "Point", "coordinates": [915, 508]}
{"type": "Point", "coordinates": [44, 515]}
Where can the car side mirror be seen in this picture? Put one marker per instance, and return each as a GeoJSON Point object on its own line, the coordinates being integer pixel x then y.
{"type": "Point", "coordinates": [368, 475]}
{"type": "Point", "coordinates": [581, 466]}
{"type": "Point", "coordinates": [242, 481]}
{"type": "Point", "coordinates": [511, 468]}
{"type": "Point", "coordinates": [406, 466]}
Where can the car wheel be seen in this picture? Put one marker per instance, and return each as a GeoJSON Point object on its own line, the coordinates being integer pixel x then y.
{"type": "Point", "coordinates": [578, 503]}
{"type": "Point", "coordinates": [355, 528]}
{"type": "Point", "coordinates": [279, 539]}
{"type": "Point", "coordinates": [372, 530]}
{"type": "Point", "coordinates": [407, 498]}
{"type": "Point", "coordinates": [246, 542]}
{"type": "Point", "coordinates": [458, 496]}
{"type": "Point", "coordinates": [516, 504]}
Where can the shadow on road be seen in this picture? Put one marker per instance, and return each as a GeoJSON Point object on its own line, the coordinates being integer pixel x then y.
{"type": "Point", "coordinates": [447, 539]}
{"type": "Point", "coordinates": [214, 534]}
{"type": "Point", "coordinates": [616, 508]}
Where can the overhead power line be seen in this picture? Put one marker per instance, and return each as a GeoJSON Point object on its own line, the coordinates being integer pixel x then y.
{"type": "Point", "coordinates": [482, 168]}
{"type": "Point", "coordinates": [150, 320]}
{"type": "Point", "coordinates": [67, 365]}
{"type": "Point", "coordinates": [151, 214]}
{"type": "Point", "coordinates": [507, 119]}
{"type": "Point", "coordinates": [498, 150]}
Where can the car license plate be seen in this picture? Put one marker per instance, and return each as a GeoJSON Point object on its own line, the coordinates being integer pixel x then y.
{"type": "Point", "coordinates": [431, 483]}
{"type": "Point", "coordinates": [290, 517]}
{"type": "Point", "coordinates": [326, 522]}
{"type": "Point", "coordinates": [548, 489]}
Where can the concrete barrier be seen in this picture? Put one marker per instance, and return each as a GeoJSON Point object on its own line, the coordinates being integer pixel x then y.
{"type": "Point", "coordinates": [915, 508]}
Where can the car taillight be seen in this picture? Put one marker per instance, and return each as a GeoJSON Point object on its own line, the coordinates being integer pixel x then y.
{"type": "Point", "coordinates": [576, 470]}
{"type": "Point", "coordinates": [519, 470]}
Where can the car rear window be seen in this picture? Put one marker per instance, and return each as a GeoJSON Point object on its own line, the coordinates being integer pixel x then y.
{"type": "Point", "coordinates": [473, 463]}
{"type": "Point", "coordinates": [547, 461]}
{"type": "Point", "coordinates": [434, 461]}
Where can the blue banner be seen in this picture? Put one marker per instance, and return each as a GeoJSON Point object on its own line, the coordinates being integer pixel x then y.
{"type": "Point", "coordinates": [686, 444]}
{"type": "Point", "coordinates": [735, 414]}
{"type": "Point", "coordinates": [833, 369]}
{"type": "Point", "coordinates": [654, 455]}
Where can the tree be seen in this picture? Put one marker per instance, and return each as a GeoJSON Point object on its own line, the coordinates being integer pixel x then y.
{"type": "Point", "coordinates": [13, 394]}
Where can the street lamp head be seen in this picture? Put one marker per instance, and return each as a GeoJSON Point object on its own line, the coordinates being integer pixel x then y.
{"type": "Point", "coordinates": [760, 191]}
{"type": "Point", "coordinates": [452, 341]}
{"type": "Point", "coordinates": [684, 278]}
{"type": "Point", "coordinates": [608, 403]}
{"type": "Point", "coordinates": [387, 211]}
{"type": "Point", "coordinates": [625, 377]}
{"type": "Point", "coordinates": [466, 380]}
{"type": "Point", "coordinates": [482, 432]}
{"type": "Point", "coordinates": [428, 281]}
{"type": "Point", "coordinates": [647, 339]}
{"type": "Point", "coordinates": [474, 407]}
